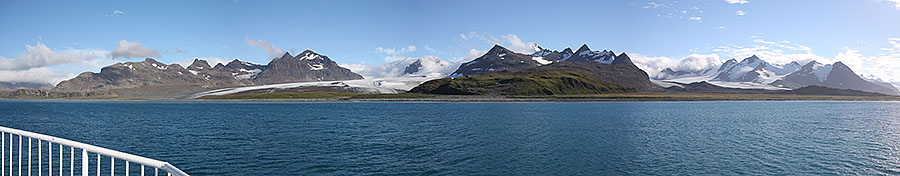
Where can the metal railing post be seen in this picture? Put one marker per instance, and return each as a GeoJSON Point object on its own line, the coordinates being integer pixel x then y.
{"type": "Point", "coordinates": [98, 164]}
{"type": "Point", "coordinates": [50, 158]}
{"type": "Point", "coordinates": [29, 156]}
{"type": "Point", "coordinates": [40, 158]}
{"type": "Point", "coordinates": [3, 154]}
{"type": "Point", "coordinates": [84, 162]}
{"type": "Point", "coordinates": [71, 161]}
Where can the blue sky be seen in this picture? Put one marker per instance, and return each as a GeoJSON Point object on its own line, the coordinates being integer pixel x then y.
{"type": "Point", "coordinates": [376, 32]}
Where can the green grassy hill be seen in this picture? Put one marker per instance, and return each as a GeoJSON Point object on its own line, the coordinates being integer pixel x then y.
{"type": "Point", "coordinates": [536, 82]}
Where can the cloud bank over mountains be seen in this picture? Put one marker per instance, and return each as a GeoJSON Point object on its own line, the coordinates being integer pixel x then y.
{"type": "Point", "coordinates": [38, 62]}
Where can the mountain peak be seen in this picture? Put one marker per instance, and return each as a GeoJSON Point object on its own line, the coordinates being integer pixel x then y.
{"type": "Point", "coordinates": [198, 64]}
{"type": "Point", "coordinates": [497, 49]}
{"type": "Point", "coordinates": [309, 51]}
{"type": "Point", "coordinates": [839, 64]}
{"type": "Point", "coordinates": [622, 59]}
{"type": "Point", "coordinates": [309, 55]}
{"type": "Point", "coordinates": [287, 55]}
{"type": "Point", "coordinates": [150, 60]}
{"type": "Point", "coordinates": [584, 47]}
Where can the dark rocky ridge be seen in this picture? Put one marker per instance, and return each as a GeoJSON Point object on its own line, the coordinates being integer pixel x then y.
{"type": "Point", "coordinates": [601, 65]}
{"type": "Point", "coordinates": [842, 77]}
{"type": "Point", "coordinates": [308, 66]}
{"type": "Point", "coordinates": [497, 60]}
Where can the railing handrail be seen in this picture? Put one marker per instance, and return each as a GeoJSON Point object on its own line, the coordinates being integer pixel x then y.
{"type": "Point", "coordinates": [99, 150]}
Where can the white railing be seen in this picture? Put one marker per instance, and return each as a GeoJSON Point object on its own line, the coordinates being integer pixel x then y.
{"type": "Point", "coordinates": [60, 144]}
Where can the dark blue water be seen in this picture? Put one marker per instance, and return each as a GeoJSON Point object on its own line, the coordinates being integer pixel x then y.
{"type": "Point", "coordinates": [643, 138]}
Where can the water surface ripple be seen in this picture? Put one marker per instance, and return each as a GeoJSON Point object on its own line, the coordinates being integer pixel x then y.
{"type": "Point", "coordinates": [629, 138]}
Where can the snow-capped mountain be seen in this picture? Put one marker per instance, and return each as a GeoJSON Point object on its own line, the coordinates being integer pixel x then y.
{"type": "Point", "coordinates": [546, 56]}
{"type": "Point", "coordinates": [669, 73]}
{"type": "Point", "coordinates": [585, 54]}
{"type": "Point", "coordinates": [426, 66]}
{"type": "Point", "coordinates": [755, 73]}
{"type": "Point", "coordinates": [429, 66]}
{"type": "Point", "coordinates": [753, 69]}
{"type": "Point", "coordinates": [813, 73]}
{"type": "Point", "coordinates": [305, 67]}
{"type": "Point", "coordinates": [241, 70]}
{"type": "Point", "coordinates": [500, 60]}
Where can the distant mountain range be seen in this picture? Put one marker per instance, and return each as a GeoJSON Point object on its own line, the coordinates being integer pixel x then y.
{"type": "Point", "coordinates": [24, 85]}
{"type": "Point", "coordinates": [755, 71]}
{"type": "Point", "coordinates": [501, 71]}
{"type": "Point", "coordinates": [305, 67]}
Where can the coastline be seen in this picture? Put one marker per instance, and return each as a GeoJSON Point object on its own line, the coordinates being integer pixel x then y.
{"type": "Point", "coordinates": [635, 97]}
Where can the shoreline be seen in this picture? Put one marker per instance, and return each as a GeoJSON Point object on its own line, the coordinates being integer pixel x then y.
{"type": "Point", "coordinates": [487, 100]}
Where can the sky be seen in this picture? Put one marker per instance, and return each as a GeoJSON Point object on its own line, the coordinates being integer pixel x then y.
{"type": "Point", "coordinates": [49, 41]}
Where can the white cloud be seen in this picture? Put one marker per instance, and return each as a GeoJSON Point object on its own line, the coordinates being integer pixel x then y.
{"type": "Point", "coordinates": [270, 49]}
{"type": "Point", "coordinates": [510, 41]}
{"type": "Point", "coordinates": [884, 65]}
{"type": "Point", "coordinates": [695, 62]}
{"type": "Point", "coordinates": [653, 5]}
{"type": "Point", "coordinates": [740, 13]}
{"type": "Point", "coordinates": [695, 18]}
{"type": "Point", "coordinates": [896, 3]}
{"type": "Point", "coordinates": [114, 13]}
{"type": "Point", "coordinates": [472, 35]}
{"type": "Point", "coordinates": [776, 52]}
{"type": "Point", "coordinates": [737, 1]}
{"type": "Point", "coordinates": [471, 55]}
{"type": "Point", "coordinates": [431, 66]}
{"type": "Point", "coordinates": [651, 65]}
{"type": "Point", "coordinates": [394, 51]}
{"type": "Point", "coordinates": [133, 50]}
{"type": "Point", "coordinates": [40, 55]}
{"type": "Point", "coordinates": [34, 75]}
{"type": "Point", "coordinates": [516, 44]}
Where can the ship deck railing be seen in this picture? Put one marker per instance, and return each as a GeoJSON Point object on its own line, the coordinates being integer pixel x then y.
{"type": "Point", "coordinates": [12, 141]}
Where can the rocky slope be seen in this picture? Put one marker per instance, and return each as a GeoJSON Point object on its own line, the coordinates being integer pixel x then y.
{"type": "Point", "coordinates": [306, 67]}
{"type": "Point", "coordinates": [600, 65]}
{"type": "Point", "coordinates": [532, 82]}
{"type": "Point", "coordinates": [497, 60]}
{"type": "Point", "coordinates": [147, 73]}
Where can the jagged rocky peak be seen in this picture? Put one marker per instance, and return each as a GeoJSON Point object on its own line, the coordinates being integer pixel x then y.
{"type": "Point", "coordinates": [583, 48]}
{"type": "Point", "coordinates": [305, 67]}
{"type": "Point", "coordinates": [623, 59]}
{"type": "Point", "coordinates": [287, 55]}
{"type": "Point", "coordinates": [198, 64]}
{"type": "Point", "coordinates": [498, 50]}
{"type": "Point", "coordinates": [568, 50]}
{"type": "Point", "coordinates": [585, 54]}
